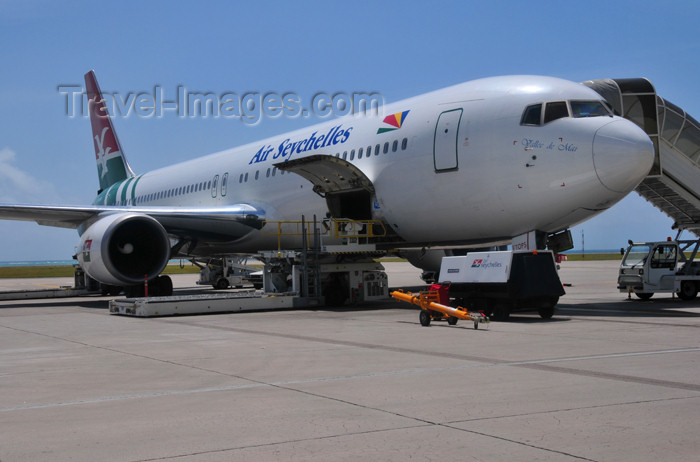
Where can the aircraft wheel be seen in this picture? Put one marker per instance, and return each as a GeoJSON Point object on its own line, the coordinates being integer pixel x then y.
{"type": "Point", "coordinates": [424, 318]}
{"type": "Point", "coordinates": [688, 290]}
{"type": "Point", "coordinates": [165, 286]}
{"type": "Point", "coordinates": [452, 320]}
{"type": "Point", "coordinates": [644, 295]}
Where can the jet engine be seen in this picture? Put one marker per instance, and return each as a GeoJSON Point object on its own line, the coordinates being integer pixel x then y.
{"type": "Point", "coordinates": [122, 249]}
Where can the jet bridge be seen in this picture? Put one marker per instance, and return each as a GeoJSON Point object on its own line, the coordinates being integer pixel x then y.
{"type": "Point", "coordinates": [673, 184]}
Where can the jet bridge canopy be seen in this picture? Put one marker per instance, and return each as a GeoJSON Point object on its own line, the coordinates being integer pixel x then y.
{"type": "Point", "coordinates": [673, 184]}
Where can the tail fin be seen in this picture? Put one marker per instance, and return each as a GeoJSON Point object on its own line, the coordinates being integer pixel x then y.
{"type": "Point", "coordinates": [112, 165]}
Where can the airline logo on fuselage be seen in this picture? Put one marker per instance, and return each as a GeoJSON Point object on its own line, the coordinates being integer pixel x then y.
{"type": "Point", "coordinates": [287, 148]}
{"type": "Point", "coordinates": [395, 120]}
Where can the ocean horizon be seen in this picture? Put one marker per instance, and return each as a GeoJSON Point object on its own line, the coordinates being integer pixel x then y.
{"type": "Point", "coordinates": [39, 263]}
{"type": "Point", "coordinates": [73, 262]}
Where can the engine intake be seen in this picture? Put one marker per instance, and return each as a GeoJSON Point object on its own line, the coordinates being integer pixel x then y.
{"type": "Point", "coordinates": [123, 248]}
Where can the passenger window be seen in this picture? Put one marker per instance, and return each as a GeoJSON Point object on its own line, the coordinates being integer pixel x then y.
{"type": "Point", "coordinates": [369, 151]}
{"type": "Point", "coordinates": [395, 146]}
{"type": "Point", "coordinates": [359, 153]}
{"type": "Point", "coordinates": [554, 111]}
{"type": "Point", "coordinates": [404, 143]}
{"type": "Point", "coordinates": [352, 155]}
{"type": "Point", "coordinates": [386, 147]}
{"type": "Point", "coordinates": [532, 115]}
{"type": "Point", "coordinates": [376, 150]}
{"type": "Point", "coordinates": [257, 174]}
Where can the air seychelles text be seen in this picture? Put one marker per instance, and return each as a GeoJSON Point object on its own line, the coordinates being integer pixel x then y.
{"type": "Point", "coordinates": [287, 148]}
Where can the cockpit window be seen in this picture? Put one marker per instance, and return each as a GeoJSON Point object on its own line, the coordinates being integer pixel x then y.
{"type": "Point", "coordinates": [532, 115]}
{"type": "Point", "coordinates": [560, 109]}
{"type": "Point", "coordinates": [555, 110]}
{"type": "Point", "coordinates": [589, 109]}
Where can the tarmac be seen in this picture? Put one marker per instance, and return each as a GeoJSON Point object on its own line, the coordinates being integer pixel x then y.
{"type": "Point", "coordinates": [606, 379]}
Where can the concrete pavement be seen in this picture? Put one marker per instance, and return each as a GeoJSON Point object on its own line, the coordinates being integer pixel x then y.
{"type": "Point", "coordinates": [605, 380]}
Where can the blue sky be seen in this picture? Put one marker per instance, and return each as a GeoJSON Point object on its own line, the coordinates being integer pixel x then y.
{"type": "Point", "coordinates": [399, 49]}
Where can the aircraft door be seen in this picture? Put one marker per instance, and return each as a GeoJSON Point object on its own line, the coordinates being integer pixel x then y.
{"type": "Point", "coordinates": [445, 141]}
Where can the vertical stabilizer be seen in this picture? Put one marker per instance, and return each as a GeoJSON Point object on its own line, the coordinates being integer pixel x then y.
{"type": "Point", "coordinates": [112, 165]}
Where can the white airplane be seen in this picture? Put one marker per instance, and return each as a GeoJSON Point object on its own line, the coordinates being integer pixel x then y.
{"type": "Point", "coordinates": [474, 164]}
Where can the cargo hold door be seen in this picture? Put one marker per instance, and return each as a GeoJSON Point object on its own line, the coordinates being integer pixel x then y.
{"type": "Point", "coordinates": [348, 191]}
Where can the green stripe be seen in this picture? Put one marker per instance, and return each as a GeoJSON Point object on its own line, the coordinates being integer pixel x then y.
{"type": "Point", "coordinates": [126, 188]}
{"type": "Point", "coordinates": [111, 196]}
{"type": "Point", "coordinates": [133, 190]}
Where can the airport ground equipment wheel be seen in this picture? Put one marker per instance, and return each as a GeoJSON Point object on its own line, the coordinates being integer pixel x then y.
{"type": "Point", "coordinates": [501, 312]}
{"type": "Point", "coordinates": [644, 295]}
{"type": "Point", "coordinates": [452, 320]}
{"type": "Point", "coordinates": [547, 312]}
{"type": "Point", "coordinates": [476, 325]}
{"type": "Point", "coordinates": [424, 318]}
{"type": "Point", "coordinates": [688, 290]}
{"type": "Point", "coordinates": [221, 284]}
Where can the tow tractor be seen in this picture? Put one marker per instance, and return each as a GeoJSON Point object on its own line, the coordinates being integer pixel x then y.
{"type": "Point", "coordinates": [660, 267]}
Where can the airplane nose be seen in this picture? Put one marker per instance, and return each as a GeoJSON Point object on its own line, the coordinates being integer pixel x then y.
{"type": "Point", "coordinates": [622, 155]}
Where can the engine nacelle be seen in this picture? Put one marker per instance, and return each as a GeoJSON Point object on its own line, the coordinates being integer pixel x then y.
{"type": "Point", "coordinates": [123, 248]}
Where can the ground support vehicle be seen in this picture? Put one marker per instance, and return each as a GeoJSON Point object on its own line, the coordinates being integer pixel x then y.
{"type": "Point", "coordinates": [225, 272]}
{"type": "Point", "coordinates": [660, 267]}
{"type": "Point", "coordinates": [501, 282]}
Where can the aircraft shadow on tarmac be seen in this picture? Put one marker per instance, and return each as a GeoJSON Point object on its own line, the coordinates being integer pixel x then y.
{"type": "Point", "coordinates": [654, 308]}
{"type": "Point", "coordinates": [101, 304]}
{"type": "Point", "coordinates": [671, 308]}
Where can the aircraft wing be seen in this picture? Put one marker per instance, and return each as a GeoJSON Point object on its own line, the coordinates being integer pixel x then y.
{"type": "Point", "coordinates": [228, 222]}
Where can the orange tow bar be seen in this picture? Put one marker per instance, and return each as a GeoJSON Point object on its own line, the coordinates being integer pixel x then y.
{"type": "Point", "coordinates": [431, 310]}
